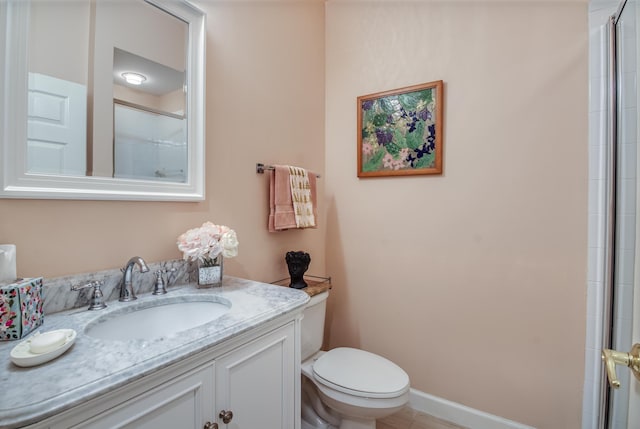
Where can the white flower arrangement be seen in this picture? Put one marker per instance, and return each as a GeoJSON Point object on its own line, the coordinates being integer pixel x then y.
{"type": "Point", "coordinates": [206, 243]}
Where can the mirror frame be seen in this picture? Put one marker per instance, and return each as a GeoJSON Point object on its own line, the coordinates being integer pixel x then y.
{"type": "Point", "coordinates": [16, 183]}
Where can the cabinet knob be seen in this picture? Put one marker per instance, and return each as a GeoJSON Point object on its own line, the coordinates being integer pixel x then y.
{"type": "Point", "coordinates": [209, 425]}
{"type": "Point", "coordinates": [226, 416]}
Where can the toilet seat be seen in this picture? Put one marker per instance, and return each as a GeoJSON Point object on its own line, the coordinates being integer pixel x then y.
{"type": "Point", "coordinates": [360, 373]}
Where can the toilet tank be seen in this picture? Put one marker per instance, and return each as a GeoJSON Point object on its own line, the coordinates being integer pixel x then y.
{"type": "Point", "coordinates": [313, 325]}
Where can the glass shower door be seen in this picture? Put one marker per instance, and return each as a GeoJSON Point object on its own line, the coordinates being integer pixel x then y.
{"type": "Point", "coordinates": [624, 401]}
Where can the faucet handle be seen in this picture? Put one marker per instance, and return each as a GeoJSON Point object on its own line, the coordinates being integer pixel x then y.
{"type": "Point", "coordinates": [97, 298]}
{"type": "Point", "coordinates": [92, 283]}
{"type": "Point", "coordinates": [161, 285]}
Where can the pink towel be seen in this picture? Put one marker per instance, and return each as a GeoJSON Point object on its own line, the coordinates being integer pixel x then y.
{"type": "Point", "coordinates": [281, 213]}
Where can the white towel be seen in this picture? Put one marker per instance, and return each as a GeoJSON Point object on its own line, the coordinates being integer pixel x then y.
{"type": "Point", "coordinates": [301, 197]}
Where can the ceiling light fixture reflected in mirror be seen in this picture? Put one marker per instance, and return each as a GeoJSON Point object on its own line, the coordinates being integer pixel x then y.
{"type": "Point", "coordinates": [134, 78]}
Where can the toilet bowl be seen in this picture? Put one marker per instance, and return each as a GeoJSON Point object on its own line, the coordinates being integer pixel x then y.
{"type": "Point", "coordinates": [346, 388]}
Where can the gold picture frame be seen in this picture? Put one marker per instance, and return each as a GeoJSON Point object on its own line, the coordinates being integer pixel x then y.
{"type": "Point", "coordinates": [400, 131]}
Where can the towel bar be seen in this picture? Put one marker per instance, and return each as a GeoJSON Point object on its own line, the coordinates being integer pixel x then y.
{"type": "Point", "coordinates": [260, 167]}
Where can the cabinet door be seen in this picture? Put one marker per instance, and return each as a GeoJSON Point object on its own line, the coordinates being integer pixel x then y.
{"type": "Point", "coordinates": [256, 382]}
{"type": "Point", "coordinates": [185, 402]}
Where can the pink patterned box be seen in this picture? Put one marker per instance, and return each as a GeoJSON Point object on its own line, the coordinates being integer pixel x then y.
{"type": "Point", "coordinates": [20, 308]}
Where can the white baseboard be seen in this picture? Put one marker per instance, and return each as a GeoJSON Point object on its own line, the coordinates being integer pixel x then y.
{"type": "Point", "coordinates": [459, 414]}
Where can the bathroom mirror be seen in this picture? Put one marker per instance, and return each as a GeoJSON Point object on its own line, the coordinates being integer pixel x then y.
{"type": "Point", "coordinates": [102, 99]}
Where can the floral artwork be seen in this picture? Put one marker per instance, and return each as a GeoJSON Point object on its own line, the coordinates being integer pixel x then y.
{"type": "Point", "coordinates": [400, 131]}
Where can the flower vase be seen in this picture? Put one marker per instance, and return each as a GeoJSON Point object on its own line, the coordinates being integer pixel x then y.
{"type": "Point", "coordinates": [210, 273]}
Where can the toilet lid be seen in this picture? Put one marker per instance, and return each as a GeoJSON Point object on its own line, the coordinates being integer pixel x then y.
{"type": "Point", "coordinates": [360, 373]}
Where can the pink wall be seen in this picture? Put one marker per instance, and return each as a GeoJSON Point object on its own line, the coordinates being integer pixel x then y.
{"type": "Point", "coordinates": [265, 103]}
{"type": "Point", "coordinates": [474, 281]}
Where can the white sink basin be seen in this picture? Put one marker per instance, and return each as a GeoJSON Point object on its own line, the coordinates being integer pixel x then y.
{"type": "Point", "coordinates": [154, 320]}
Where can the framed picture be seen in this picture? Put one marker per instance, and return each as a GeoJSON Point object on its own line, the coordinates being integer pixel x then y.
{"type": "Point", "coordinates": [400, 131]}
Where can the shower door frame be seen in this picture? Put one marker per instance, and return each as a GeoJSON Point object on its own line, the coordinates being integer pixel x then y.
{"type": "Point", "coordinates": [620, 210]}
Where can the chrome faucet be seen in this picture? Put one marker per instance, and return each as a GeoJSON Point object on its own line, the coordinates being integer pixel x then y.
{"type": "Point", "coordinates": [126, 287]}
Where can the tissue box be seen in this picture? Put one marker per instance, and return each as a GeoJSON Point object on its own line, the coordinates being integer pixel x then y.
{"type": "Point", "coordinates": [20, 308]}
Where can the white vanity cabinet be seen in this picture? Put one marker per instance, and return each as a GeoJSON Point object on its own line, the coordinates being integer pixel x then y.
{"type": "Point", "coordinates": [257, 383]}
{"type": "Point", "coordinates": [253, 378]}
{"type": "Point", "coordinates": [183, 402]}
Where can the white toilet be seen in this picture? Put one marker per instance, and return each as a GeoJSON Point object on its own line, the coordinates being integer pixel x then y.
{"type": "Point", "coordinates": [345, 388]}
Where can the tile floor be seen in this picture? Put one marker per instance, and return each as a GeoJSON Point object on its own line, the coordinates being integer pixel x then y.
{"type": "Point", "coordinates": [408, 418]}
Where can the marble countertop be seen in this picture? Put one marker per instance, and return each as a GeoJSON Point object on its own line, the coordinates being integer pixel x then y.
{"type": "Point", "coordinates": [92, 367]}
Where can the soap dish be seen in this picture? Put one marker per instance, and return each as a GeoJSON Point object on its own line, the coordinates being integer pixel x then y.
{"type": "Point", "coordinates": [22, 354]}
